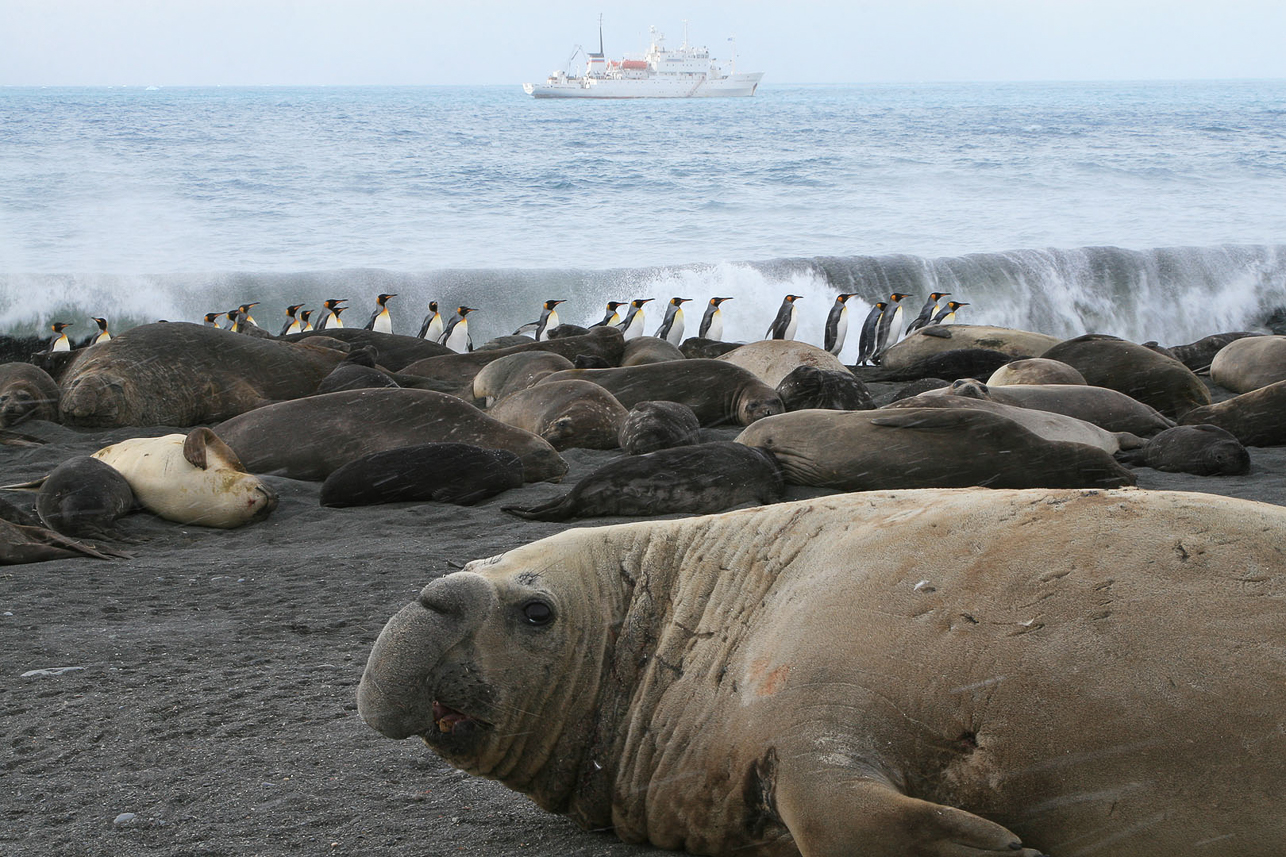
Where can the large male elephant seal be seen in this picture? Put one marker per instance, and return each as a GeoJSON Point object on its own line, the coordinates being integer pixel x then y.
{"type": "Point", "coordinates": [717, 392]}
{"type": "Point", "coordinates": [1138, 372]}
{"type": "Point", "coordinates": [566, 413]}
{"type": "Point", "coordinates": [936, 339]}
{"type": "Point", "coordinates": [311, 438]}
{"type": "Point", "coordinates": [26, 393]}
{"type": "Point", "coordinates": [941, 673]}
{"type": "Point", "coordinates": [455, 473]}
{"type": "Point", "coordinates": [926, 448]}
{"type": "Point", "coordinates": [190, 479]}
{"type": "Point", "coordinates": [694, 480]}
{"type": "Point", "coordinates": [179, 374]}
{"type": "Point", "coordinates": [1257, 418]}
{"type": "Point", "coordinates": [1250, 363]}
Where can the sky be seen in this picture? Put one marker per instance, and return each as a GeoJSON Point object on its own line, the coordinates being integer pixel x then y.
{"type": "Point", "coordinates": [433, 42]}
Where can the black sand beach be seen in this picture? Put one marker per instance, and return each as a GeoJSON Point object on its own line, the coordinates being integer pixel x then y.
{"type": "Point", "coordinates": [200, 698]}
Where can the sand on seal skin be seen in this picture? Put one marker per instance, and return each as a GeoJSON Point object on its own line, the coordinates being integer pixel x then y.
{"type": "Point", "coordinates": [210, 708]}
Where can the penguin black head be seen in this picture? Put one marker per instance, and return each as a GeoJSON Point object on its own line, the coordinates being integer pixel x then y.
{"type": "Point", "coordinates": [212, 317]}
{"type": "Point", "coordinates": [334, 302]}
{"type": "Point", "coordinates": [897, 296]}
{"type": "Point", "coordinates": [717, 301]}
{"type": "Point", "coordinates": [612, 305]}
{"type": "Point", "coordinates": [337, 310]}
{"type": "Point", "coordinates": [552, 304]}
{"type": "Point", "coordinates": [956, 304]}
{"type": "Point", "coordinates": [638, 302]}
{"type": "Point", "coordinates": [245, 308]}
{"type": "Point", "coordinates": [433, 306]}
{"type": "Point", "coordinates": [793, 298]}
{"type": "Point", "coordinates": [843, 298]}
{"type": "Point", "coordinates": [679, 301]}
{"type": "Point", "coordinates": [937, 296]}
{"type": "Point", "coordinates": [305, 315]}
{"type": "Point", "coordinates": [882, 306]}
{"type": "Point", "coordinates": [60, 326]}
{"type": "Point", "coordinates": [383, 299]}
{"type": "Point", "coordinates": [291, 310]}
{"type": "Point", "coordinates": [102, 323]}
{"type": "Point", "coordinates": [465, 310]}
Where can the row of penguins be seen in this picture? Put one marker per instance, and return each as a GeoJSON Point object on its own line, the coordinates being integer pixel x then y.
{"type": "Point", "coordinates": [885, 324]}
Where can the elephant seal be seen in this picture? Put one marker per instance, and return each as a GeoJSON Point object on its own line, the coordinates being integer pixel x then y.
{"type": "Point", "coordinates": [357, 371]}
{"type": "Point", "coordinates": [507, 341]}
{"type": "Point", "coordinates": [179, 374]}
{"type": "Point", "coordinates": [1035, 370]}
{"type": "Point", "coordinates": [650, 426]}
{"type": "Point", "coordinates": [515, 372]}
{"type": "Point", "coordinates": [393, 350]}
{"type": "Point", "coordinates": [456, 473]}
{"type": "Point", "coordinates": [696, 347]}
{"type": "Point", "coordinates": [927, 448]}
{"type": "Point", "coordinates": [771, 360]}
{"type": "Point", "coordinates": [1107, 409]}
{"type": "Point", "coordinates": [1047, 424]}
{"type": "Point", "coordinates": [949, 365]}
{"type": "Point", "coordinates": [23, 540]}
{"type": "Point", "coordinates": [1257, 418]}
{"type": "Point", "coordinates": [694, 480]}
{"type": "Point", "coordinates": [1197, 355]}
{"type": "Point", "coordinates": [959, 672]}
{"type": "Point", "coordinates": [1203, 450]}
{"type": "Point", "coordinates": [460, 369]}
{"type": "Point", "coordinates": [27, 392]}
{"type": "Point", "coordinates": [809, 387]}
{"type": "Point", "coordinates": [565, 413]}
{"type": "Point", "coordinates": [936, 339]}
{"type": "Point", "coordinates": [190, 479]}
{"type": "Point", "coordinates": [311, 438]}
{"type": "Point", "coordinates": [83, 497]}
{"type": "Point", "coordinates": [1140, 373]}
{"type": "Point", "coordinates": [649, 349]}
{"type": "Point", "coordinates": [716, 391]}
{"type": "Point", "coordinates": [1250, 363]}
{"type": "Point", "coordinates": [915, 388]}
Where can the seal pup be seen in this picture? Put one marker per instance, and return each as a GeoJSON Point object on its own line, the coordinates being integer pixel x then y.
{"type": "Point", "coordinates": [888, 674]}
{"type": "Point", "coordinates": [27, 392]}
{"type": "Point", "coordinates": [381, 321]}
{"type": "Point", "coordinates": [786, 322]}
{"type": "Point", "coordinates": [947, 315]}
{"type": "Point", "coordinates": [612, 318]}
{"type": "Point", "coordinates": [1257, 418]}
{"type": "Point", "coordinates": [191, 479]}
{"type": "Point", "coordinates": [83, 497]}
{"type": "Point", "coordinates": [694, 480]}
{"type": "Point", "coordinates": [650, 426]}
{"type": "Point", "coordinates": [927, 312]}
{"type": "Point", "coordinates": [568, 414]}
{"type": "Point", "coordinates": [810, 387]}
{"type": "Point", "coordinates": [867, 338]}
{"type": "Point", "coordinates": [548, 319]}
{"type": "Point", "coordinates": [927, 448]}
{"type": "Point", "coordinates": [1203, 450]}
{"type": "Point", "coordinates": [456, 473]}
{"type": "Point", "coordinates": [671, 329]}
{"type": "Point", "coordinates": [712, 321]}
{"type": "Point", "coordinates": [60, 342]}
{"type": "Point", "coordinates": [431, 327]}
{"type": "Point", "coordinates": [632, 325]}
{"type": "Point", "coordinates": [837, 324]}
{"type": "Point", "coordinates": [292, 324]}
{"type": "Point", "coordinates": [456, 334]}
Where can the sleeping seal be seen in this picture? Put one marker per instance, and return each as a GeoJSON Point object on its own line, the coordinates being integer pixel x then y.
{"type": "Point", "coordinates": [1203, 450]}
{"type": "Point", "coordinates": [650, 426]}
{"type": "Point", "coordinates": [83, 497]}
{"type": "Point", "coordinates": [455, 473]}
{"type": "Point", "coordinates": [26, 393]}
{"type": "Point", "coordinates": [566, 413]}
{"type": "Point", "coordinates": [1257, 418]}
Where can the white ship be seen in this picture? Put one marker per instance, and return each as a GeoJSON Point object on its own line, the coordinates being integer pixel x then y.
{"type": "Point", "coordinates": [687, 72]}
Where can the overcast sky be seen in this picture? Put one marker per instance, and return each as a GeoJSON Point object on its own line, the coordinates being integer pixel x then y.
{"type": "Point", "coordinates": [336, 42]}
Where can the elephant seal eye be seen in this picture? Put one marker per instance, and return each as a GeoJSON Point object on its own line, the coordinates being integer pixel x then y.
{"type": "Point", "coordinates": [538, 612]}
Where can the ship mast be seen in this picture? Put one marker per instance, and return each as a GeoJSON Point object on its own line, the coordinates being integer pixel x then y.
{"type": "Point", "coordinates": [600, 53]}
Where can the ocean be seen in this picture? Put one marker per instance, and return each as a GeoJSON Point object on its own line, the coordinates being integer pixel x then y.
{"type": "Point", "coordinates": [1152, 211]}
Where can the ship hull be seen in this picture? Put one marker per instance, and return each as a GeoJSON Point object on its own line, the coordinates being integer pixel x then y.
{"type": "Point", "coordinates": [732, 86]}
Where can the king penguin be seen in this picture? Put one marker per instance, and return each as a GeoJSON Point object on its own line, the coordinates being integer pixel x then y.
{"type": "Point", "coordinates": [926, 312]}
{"type": "Point", "coordinates": [235, 317]}
{"type": "Point", "coordinates": [632, 326]}
{"type": "Point", "coordinates": [305, 321]}
{"type": "Point", "coordinates": [212, 319]}
{"type": "Point", "coordinates": [103, 335]}
{"type": "Point", "coordinates": [328, 313]}
{"type": "Point", "coordinates": [60, 342]}
{"type": "Point", "coordinates": [456, 334]}
{"type": "Point", "coordinates": [671, 329]}
{"type": "Point", "coordinates": [333, 320]}
{"type": "Point", "coordinates": [787, 320]}
{"type": "Point", "coordinates": [712, 321]}
{"type": "Point", "coordinates": [292, 325]}
{"type": "Point", "coordinates": [246, 318]}
{"type": "Point", "coordinates": [866, 344]}
{"type": "Point", "coordinates": [947, 314]}
{"type": "Point", "coordinates": [837, 324]}
{"type": "Point", "coordinates": [612, 318]}
{"type": "Point", "coordinates": [889, 329]}
{"type": "Point", "coordinates": [548, 319]}
{"type": "Point", "coordinates": [431, 327]}
{"type": "Point", "coordinates": [381, 321]}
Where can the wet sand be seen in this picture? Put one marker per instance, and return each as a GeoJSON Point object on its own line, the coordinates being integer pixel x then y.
{"type": "Point", "coordinates": [210, 705]}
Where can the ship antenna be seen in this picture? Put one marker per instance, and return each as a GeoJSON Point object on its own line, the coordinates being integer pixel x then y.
{"type": "Point", "coordinates": [600, 35]}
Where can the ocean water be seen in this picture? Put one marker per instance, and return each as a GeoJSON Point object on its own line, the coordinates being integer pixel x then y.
{"type": "Point", "coordinates": [1145, 210]}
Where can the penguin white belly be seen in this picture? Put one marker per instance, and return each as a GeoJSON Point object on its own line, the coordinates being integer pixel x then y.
{"type": "Point", "coordinates": [102, 337]}
{"type": "Point", "coordinates": [383, 323]}
{"type": "Point", "coordinates": [434, 333]}
{"type": "Point", "coordinates": [294, 327]}
{"type": "Point", "coordinates": [895, 327]}
{"type": "Point", "coordinates": [675, 335]}
{"type": "Point", "coordinates": [841, 332]}
{"type": "Point", "coordinates": [458, 339]}
{"type": "Point", "coordinates": [635, 328]}
{"type": "Point", "coordinates": [61, 344]}
{"type": "Point", "coordinates": [715, 331]}
{"type": "Point", "coordinates": [793, 324]}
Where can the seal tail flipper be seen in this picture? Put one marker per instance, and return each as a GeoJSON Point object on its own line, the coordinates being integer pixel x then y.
{"type": "Point", "coordinates": [1134, 457]}
{"type": "Point", "coordinates": [33, 485]}
{"type": "Point", "coordinates": [558, 509]}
